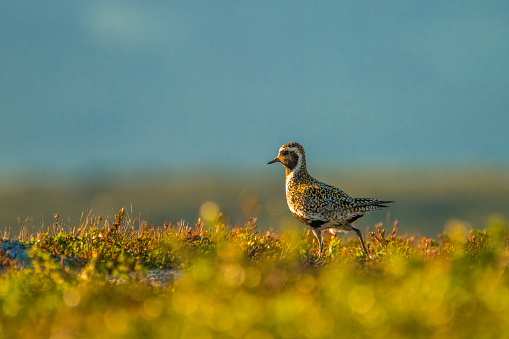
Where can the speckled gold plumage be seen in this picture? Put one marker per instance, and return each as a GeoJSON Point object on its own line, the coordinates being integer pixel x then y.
{"type": "Point", "coordinates": [317, 204]}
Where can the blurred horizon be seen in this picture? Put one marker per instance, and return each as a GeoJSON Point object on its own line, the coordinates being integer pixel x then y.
{"type": "Point", "coordinates": [427, 199]}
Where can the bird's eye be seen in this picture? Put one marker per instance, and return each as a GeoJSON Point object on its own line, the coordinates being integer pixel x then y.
{"type": "Point", "coordinates": [285, 152]}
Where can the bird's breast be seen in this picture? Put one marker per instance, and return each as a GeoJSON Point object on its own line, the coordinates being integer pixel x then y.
{"type": "Point", "coordinates": [298, 200]}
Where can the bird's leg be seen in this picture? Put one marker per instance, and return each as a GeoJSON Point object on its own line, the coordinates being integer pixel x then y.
{"type": "Point", "coordinates": [359, 234]}
{"type": "Point", "coordinates": [318, 235]}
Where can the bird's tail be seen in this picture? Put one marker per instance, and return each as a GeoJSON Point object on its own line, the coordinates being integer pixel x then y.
{"type": "Point", "coordinates": [383, 203]}
{"type": "Point", "coordinates": [371, 204]}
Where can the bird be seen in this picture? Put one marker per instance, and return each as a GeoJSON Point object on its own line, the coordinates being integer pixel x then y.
{"type": "Point", "coordinates": [317, 204]}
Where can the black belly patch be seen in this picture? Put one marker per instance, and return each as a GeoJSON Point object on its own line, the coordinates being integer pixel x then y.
{"type": "Point", "coordinates": [355, 218]}
{"type": "Point", "coordinates": [316, 223]}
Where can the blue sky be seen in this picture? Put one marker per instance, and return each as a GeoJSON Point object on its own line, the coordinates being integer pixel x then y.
{"type": "Point", "coordinates": [211, 84]}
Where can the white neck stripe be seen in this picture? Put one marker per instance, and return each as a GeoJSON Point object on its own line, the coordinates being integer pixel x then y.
{"type": "Point", "coordinates": [289, 177]}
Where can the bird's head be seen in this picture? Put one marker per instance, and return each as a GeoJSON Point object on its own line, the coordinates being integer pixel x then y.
{"type": "Point", "coordinates": [291, 155]}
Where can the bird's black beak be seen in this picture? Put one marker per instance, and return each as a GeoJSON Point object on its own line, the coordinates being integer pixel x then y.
{"type": "Point", "coordinates": [276, 159]}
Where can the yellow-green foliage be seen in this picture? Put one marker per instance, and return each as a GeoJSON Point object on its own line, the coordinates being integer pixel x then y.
{"type": "Point", "coordinates": [237, 283]}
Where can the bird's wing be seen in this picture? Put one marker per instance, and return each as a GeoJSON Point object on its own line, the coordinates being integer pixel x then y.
{"type": "Point", "coordinates": [333, 203]}
{"type": "Point", "coordinates": [327, 200]}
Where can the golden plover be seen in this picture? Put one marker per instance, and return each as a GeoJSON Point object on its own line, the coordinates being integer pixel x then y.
{"type": "Point", "coordinates": [317, 204]}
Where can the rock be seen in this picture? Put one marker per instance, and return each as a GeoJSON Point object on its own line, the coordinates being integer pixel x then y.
{"type": "Point", "coordinates": [12, 250]}
{"type": "Point", "coordinates": [15, 250]}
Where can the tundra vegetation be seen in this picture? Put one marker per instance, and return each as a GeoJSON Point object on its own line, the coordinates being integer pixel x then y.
{"type": "Point", "coordinates": [90, 281]}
